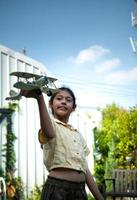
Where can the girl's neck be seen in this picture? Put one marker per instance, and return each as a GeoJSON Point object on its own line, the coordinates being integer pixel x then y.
{"type": "Point", "coordinates": [64, 120]}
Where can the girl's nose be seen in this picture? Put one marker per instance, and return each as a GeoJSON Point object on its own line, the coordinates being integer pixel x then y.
{"type": "Point", "coordinates": [63, 101]}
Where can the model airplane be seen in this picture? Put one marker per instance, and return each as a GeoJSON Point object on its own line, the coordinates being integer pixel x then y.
{"type": "Point", "coordinates": [30, 81]}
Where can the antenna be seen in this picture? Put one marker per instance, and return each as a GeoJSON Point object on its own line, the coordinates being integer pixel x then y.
{"type": "Point", "coordinates": [133, 44]}
{"type": "Point", "coordinates": [24, 51]}
{"type": "Point", "coordinates": [134, 24]}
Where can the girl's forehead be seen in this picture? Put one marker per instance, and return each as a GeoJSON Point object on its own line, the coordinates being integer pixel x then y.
{"type": "Point", "coordinates": [63, 93]}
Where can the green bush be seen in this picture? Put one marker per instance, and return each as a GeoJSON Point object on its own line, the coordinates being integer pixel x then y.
{"type": "Point", "coordinates": [35, 193]}
{"type": "Point", "coordinates": [90, 197]}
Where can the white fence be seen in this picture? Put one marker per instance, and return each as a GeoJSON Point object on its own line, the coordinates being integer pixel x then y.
{"type": "Point", "coordinates": [2, 188]}
{"type": "Point", "coordinates": [25, 121]}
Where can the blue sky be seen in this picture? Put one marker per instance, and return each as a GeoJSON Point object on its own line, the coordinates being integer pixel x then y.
{"type": "Point", "coordinates": [84, 43]}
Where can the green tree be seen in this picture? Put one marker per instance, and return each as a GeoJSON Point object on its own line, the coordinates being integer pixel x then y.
{"type": "Point", "coordinates": [115, 140]}
{"type": "Point", "coordinates": [14, 185]}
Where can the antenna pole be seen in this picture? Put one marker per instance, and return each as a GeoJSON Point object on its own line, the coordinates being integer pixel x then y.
{"type": "Point", "coordinates": [133, 42]}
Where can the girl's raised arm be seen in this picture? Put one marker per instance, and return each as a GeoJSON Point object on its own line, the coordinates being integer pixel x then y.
{"type": "Point", "coordinates": [46, 124]}
{"type": "Point", "coordinates": [45, 121]}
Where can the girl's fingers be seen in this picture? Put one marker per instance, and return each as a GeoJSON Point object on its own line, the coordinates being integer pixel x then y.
{"type": "Point", "coordinates": [21, 92]}
{"type": "Point", "coordinates": [24, 93]}
{"type": "Point", "coordinates": [28, 93]}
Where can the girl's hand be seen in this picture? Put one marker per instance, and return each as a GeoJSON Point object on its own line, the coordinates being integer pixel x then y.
{"type": "Point", "coordinates": [31, 93]}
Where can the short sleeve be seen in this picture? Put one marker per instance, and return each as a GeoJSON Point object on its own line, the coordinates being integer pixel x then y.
{"type": "Point", "coordinates": [41, 137]}
{"type": "Point", "coordinates": [86, 150]}
{"type": "Point", "coordinates": [85, 147]}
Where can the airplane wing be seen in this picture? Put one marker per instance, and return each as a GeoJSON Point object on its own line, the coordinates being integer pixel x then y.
{"type": "Point", "coordinates": [29, 86]}
{"type": "Point", "coordinates": [51, 79]}
{"type": "Point", "coordinates": [25, 86]}
{"type": "Point", "coordinates": [31, 75]}
{"type": "Point", "coordinates": [25, 75]}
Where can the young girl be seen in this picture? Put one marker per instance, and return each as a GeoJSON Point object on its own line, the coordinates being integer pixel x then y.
{"type": "Point", "coordinates": [64, 149]}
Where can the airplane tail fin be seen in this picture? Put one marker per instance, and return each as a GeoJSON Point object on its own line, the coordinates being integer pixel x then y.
{"type": "Point", "coordinates": [13, 96]}
{"type": "Point", "coordinates": [13, 93]}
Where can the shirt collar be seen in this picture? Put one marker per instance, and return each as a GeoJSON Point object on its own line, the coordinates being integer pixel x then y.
{"type": "Point", "coordinates": [65, 124]}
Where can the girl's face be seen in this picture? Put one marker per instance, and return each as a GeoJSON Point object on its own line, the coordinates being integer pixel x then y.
{"type": "Point", "coordinates": [62, 105]}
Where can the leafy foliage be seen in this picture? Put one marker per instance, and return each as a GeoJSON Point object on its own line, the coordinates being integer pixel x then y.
{"type": "Point", "coordinates": [115, 141]}
{"type": "Point", "coordinates": [90, 197]}
{"type": "Point", "coordinates": [15, 188]}
{"type": "Point", "coordinates": [35, 193]}
{"type": "Point", "coordinates": [14, 184]}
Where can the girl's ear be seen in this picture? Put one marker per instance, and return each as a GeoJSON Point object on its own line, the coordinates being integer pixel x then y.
{"type": "Point", "coordinates": [74, 107]}
{"type": "Point", "coordinates": [50, 103]}
{"type": "Point", "coordinates": [50, 107]}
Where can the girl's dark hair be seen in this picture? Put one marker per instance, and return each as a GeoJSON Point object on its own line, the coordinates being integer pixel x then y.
{"type": "Point", "coordinates": [64, 89]}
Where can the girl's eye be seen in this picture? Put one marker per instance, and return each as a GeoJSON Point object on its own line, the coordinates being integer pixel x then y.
{"type": "Point", "coordinates": [58, 98]}
{"type": "Point", "coordinates": [69, 100]}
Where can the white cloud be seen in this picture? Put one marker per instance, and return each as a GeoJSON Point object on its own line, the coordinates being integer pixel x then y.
{"type": "Point", "coordinates": [91, 54]}
{"type": "Point", "coordinates": [108, 65]}
{"type": "Point", "coordinates": [121, 77]}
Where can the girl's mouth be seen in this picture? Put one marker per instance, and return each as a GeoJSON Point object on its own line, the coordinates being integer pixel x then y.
{"type": "Point", "coordinates": [62, 108]}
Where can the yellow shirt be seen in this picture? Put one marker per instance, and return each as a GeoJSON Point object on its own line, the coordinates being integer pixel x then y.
{"type": "Point", "coordinates": [67, 149]}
